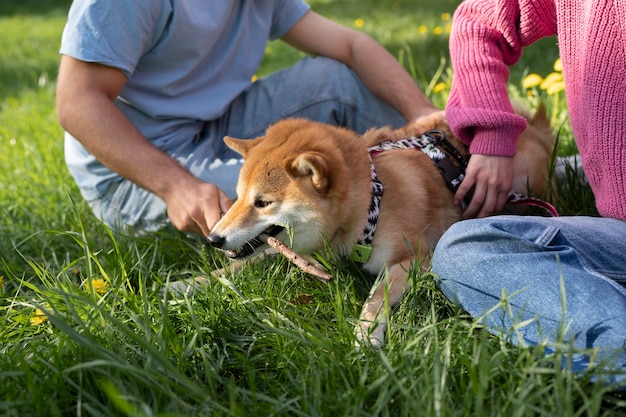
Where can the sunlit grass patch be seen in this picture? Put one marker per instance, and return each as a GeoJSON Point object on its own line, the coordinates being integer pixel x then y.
{"type": "Point", "coordinates": [86, 327]}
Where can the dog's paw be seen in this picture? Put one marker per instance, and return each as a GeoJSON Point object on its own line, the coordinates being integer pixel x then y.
{"type": "Point", "coordinates": [369, 335]}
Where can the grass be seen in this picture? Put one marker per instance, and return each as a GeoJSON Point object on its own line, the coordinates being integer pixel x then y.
{"type": "Point", "coordinates": [85, 329]}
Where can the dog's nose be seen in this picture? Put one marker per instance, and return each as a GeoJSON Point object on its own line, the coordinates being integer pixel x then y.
{"type": "Point", "coordinates": [215, 240]}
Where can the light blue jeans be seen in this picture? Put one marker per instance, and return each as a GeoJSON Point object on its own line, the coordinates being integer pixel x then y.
{"type": "Point", "coordinates": [318, 89]}
{"type": "Point", "coordinates": [543, 281]}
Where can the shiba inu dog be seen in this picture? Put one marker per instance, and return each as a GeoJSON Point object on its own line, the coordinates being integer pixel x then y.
{"type": "Point", "coordinates": [313, 185]}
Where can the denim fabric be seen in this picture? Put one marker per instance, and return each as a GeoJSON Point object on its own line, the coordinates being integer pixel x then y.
{"type": "Point", "coordinates": [319, 89]}
{"type": "Point", "coordinates": [543, 281]}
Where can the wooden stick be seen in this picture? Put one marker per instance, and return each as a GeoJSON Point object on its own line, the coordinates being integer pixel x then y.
{"type": "Point", "coordinates": [296, 259]}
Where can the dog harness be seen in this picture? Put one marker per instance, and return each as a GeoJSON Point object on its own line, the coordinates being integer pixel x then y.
{"type": "Point", "coordinates": [450, 163]}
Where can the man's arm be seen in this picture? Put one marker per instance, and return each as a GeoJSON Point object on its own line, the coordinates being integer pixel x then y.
{"type": "Point", "coordinates": [376, 67]}
{"type": "Point", "coordinates": [86, 109]}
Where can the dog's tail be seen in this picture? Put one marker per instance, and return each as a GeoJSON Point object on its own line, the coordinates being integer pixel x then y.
{"type": "Point", "coordinates": [535, 154]}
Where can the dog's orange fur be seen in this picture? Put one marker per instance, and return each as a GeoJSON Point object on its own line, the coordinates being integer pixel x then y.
{"type": "Point", "coordinates": [534, 152]}
{"type": "Point", "coordinates": [314, 179]}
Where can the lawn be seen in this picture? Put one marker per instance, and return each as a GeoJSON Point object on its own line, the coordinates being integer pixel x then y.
{"type": "Point", "coordinates": [85, 329]}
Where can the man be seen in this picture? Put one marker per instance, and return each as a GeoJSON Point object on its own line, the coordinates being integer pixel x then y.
{"type": "Point", "coordinates": [147, 90]}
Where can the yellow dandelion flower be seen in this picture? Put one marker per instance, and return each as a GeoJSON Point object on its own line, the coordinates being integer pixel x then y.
{"type": "Point", "coordinates": [422, 29]}
{"type": "Point", "coordinates": [38, 318]}
{"type": "Point", "coordinates": [445, 17]}
{"type": "Point", "coordinates": [558, 65]}
{"type": "Point", "coordinates": [439, 87]}
{"type": "Point", "coordinates": [531, 80]}
{"type": "Point", "coordinates": [359, 23]}
{"type": "Point", "coordinates": [448, 28]}
{"type": "Point", "coordinates": [437, 30]}
{"type": "Point", "coordinates": [254, 78]}
{"type": "Point", "coordinates": [550, 79]}
{"type": "Point", "coordinates": [98, 285]}
{"type": "Point", "coordinates": [556, 88]}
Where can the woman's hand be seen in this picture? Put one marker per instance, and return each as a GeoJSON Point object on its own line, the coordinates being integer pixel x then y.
{"type": "Point", "coordinates": [490, 178]}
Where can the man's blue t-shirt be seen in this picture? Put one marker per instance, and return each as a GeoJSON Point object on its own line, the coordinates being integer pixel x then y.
{"type": "Point", "coordinates": [185, 60]}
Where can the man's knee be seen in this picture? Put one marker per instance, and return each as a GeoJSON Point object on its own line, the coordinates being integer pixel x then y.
{"type": "Point", "coordinates": [130, 209]}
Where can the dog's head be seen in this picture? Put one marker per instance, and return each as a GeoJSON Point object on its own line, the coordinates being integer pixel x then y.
{"type": "Point", "coordinates": [284, 187]}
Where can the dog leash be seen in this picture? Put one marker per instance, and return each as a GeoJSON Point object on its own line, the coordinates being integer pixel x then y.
{"type": "Point", "coordinates": [524, 200]}
{"type": "Point", "coordinates": [453, 169]}
{"type": "Point", "coordinates": [450, 163]}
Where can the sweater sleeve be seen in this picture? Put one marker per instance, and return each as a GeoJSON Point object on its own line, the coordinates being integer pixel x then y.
{"type": "Point", "coordinates": [487, 38]}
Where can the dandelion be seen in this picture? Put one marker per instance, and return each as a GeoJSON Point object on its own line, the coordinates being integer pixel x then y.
{"type": "Point", "coordinates": [422, 29]}
{"type": "Point", "coordinates": [532, 80]}
{"type": "Point", "coordinates": [254, 78]}
{"type": "Point", "coordinates": [98, 285]}
{"type": "Point", "coordinates": [558, 65]}
{"type": "Point", "coordinates": [439, 87]}
{"type": "Point", "coordinates": [448, 28]}
{"type": "Point", "coordinates": [556, 88]}
{"type": "Point", "coordinates": [38, 318]}
{"type": "Point", "coordinates": [553, 77]}
{"type": "Point", "coordinates": [437, 30]}
{"type": "Point", "coordinates": [359, 23]}
{"type": "Point", "coordinates": [445, 17]}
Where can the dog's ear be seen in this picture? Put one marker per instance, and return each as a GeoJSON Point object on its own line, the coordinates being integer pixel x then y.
{"type": "Point", "coordinates": [241, 146]}
{"type": "Point", "coordinates": [312, 164]}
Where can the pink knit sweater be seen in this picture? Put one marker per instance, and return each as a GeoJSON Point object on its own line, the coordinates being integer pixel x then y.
{"type": "Point", "coordinates": [488, 37]}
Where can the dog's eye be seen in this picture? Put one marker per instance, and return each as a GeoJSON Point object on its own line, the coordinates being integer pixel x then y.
{"type": "Point", "coordinates": [261, 203]}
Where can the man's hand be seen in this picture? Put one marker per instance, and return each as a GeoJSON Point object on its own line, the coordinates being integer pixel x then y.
{"type": "Point", "coordinates": [491, 178]}
{"type": "Point", "coordinates": [85, 103]}
{"type": "Point", "coordinates": [197, 208]}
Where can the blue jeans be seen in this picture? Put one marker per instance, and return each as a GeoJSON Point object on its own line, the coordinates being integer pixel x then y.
{"type": "Point", "coordinates": [541, 280]}
{"type": "Point", "coordinates": [318, 89]}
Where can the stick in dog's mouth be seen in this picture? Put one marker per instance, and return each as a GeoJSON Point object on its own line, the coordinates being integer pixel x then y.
{"type": "Point", "coordinates": [268, 237]}
{"type": "Point", "coordinates": [296, 259]}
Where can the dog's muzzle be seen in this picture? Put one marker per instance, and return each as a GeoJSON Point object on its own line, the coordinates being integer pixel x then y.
{"type": "Point", "coordinates": [247, 249]}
